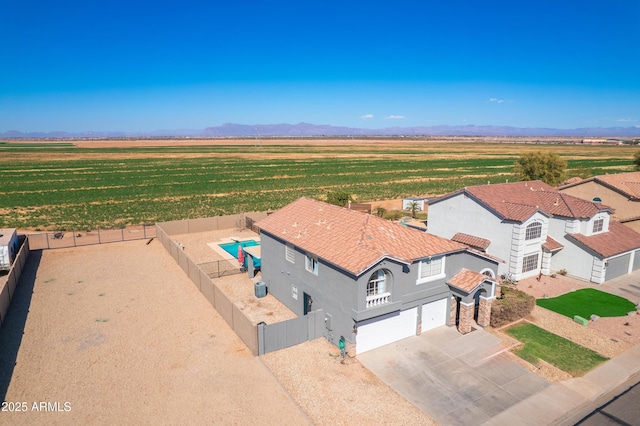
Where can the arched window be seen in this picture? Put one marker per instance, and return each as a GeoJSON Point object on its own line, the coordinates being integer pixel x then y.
{"type": "Point", "coordinates": [377, 283]}
{"type": "Point", "coordinates": [488, 272]}
{"type": "Point", "coordinates": [378, 288]}
{"type": "Point", "coordinates": [534, 230]}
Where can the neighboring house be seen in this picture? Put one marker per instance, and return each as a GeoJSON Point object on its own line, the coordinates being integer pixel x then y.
{"type": "Point", "coordinates": [8, 247]}
{"type": "Point", "coordinates": [620, 191]}
{"type": "Point", "coordinates": [537, 229]}
{"type": "Point", "coordinates": [376, 281]}
{"type": "Point", "coordinates": [408, 202]}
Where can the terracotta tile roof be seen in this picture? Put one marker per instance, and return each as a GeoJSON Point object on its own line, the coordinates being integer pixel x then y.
{"type": "Point", "coordinates": [552, 245]}
{"type": "Point", "coordinates": [520, 200]}
{"type": "Point", "coordinates": [471, 241]}
{"type": "Point", "coordinates": [468, 280]}
{"type": "Point", "coordinates": [349, 239]}
{"type": "Point", "coordinates": [627, 184]}
{"type": "Point", "coordinates": [619, 239]}
{"type": "Point", "coordinates": [571, 181]}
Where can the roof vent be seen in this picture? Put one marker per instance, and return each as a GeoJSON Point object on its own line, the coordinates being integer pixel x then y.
{"type": "Point", "coordinates": [295, 224]}
{"type": "Point", "coordinates": [555, 203]}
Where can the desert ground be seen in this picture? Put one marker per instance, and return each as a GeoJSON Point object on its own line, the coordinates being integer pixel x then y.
{"type": "Point", "coordinates": [117, 333]}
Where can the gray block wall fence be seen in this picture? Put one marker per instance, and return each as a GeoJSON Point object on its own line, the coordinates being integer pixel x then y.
{"type": "Point", "coordinates": [260, 338]}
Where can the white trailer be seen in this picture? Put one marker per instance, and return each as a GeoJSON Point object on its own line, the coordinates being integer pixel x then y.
{"type": "Point", "coordinates": [8, 248]}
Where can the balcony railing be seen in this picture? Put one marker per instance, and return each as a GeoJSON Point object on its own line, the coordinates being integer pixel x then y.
{"type": "Point", "coordinates": [378, 299]}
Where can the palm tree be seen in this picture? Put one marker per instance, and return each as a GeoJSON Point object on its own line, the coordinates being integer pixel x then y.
{"type": "Point", "coordinates": [413, 207]}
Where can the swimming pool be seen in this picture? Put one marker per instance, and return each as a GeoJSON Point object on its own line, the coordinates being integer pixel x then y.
{"type": "Point", "coordinates": [232, 249]}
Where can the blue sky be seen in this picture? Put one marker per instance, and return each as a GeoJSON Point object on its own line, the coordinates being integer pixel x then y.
{"type": "Point", "coordinates": [141, 65]}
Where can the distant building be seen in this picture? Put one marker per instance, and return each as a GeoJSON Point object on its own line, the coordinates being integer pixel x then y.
{"type": "Point", "coordinates": [620, 191]}
{"type": "Point", "coordinates": [601, 142]}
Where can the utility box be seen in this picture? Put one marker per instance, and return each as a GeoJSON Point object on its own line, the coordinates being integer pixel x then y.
{"type": "Point", "coordinates": [580, 320]}
{"type": "Point", "coordinates": [8, 248]}
{"type": "Point", "coordinates": [260, 289]}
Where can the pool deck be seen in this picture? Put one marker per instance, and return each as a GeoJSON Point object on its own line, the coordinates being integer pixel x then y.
{"type": "Point", "coordinates": [202, 247]}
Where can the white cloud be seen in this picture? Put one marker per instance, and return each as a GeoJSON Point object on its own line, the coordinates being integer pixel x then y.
{"type": "Point", "coordinates": [366, 116]}
{"type": "Point", "coordinates": [625, 120]}
{"type": "Point", "coordinates": [395, 117]}
{"type": "Point", "coordinates": [496, 100]}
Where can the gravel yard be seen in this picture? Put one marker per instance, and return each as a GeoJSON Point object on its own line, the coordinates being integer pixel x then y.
{"type": "Point", "coordinates": [332, 393]}
{"type": "Point", "coordinates": [121, 334]}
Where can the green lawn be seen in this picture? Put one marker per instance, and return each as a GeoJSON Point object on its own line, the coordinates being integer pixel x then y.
{"type": "Point", "coordinates": [558, 351]}
{"type": "Point", "coordinates": [586, 302]}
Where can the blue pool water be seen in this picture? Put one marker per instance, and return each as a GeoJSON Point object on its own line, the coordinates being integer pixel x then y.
{"type": "Point", "coordinates": [232, 249]}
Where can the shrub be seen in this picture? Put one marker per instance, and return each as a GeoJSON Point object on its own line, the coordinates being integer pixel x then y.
{"type": "Point", "coordinates": [338, 198]}
{"type": "Point", "coordinates": [511, 306]}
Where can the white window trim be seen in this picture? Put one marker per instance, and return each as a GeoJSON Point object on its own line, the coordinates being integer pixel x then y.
{"type": "Point", "coordinates": [526, 228]}
{"type": "Point", "coordinates": [537, 266]}
{"type": "Point", "coordinates": [314, 261]}
{"type": "Point", "coordinates": [431, 278]}
{"type": "Point", "coordinates": [593, 226]}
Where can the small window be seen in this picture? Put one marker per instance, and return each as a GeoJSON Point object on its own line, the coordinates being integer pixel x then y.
{"type": "Point", "coordinates": [598, 224]}
{"type": "Point", "coordinates": [534, 230]}
{"type": "Point", "coordinates": [311, 264]}
{"type": "Point", "coordinates": [431, 267]}
{"type": "Point", "coordinates": [294, 292]}
{"type": "Point", "coordinates": [290, 254]}
{"type": "Point", "coordinates": [530, 263]}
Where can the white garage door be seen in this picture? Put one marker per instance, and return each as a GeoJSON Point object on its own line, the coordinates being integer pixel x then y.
{"type": "Point", "coordinates": [434, 314]}
{"type": "Point", "coordinates": [387, 329]}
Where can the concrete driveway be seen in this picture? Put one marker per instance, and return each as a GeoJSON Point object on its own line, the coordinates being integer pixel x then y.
{"type": "Point", "coordinates": [627, 286]}
{"type": "Point", "coordinates": [455, 379]}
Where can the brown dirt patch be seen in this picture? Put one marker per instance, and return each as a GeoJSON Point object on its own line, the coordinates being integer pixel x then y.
{"type": "Point", "coordinates": [120, 333]}
{"type": "Point", "coordinates": [332, 393]}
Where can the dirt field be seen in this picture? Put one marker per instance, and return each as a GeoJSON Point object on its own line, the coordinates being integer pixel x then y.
{"type": "Point", "coordinates": [118, 333]}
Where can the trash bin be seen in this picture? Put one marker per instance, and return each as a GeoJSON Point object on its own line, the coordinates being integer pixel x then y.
{"type": "Point", "coordinates": [261, 289]}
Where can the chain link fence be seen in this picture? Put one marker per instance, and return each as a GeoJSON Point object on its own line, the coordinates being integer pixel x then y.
{"type": "Point", "coordinates": [65, 239]}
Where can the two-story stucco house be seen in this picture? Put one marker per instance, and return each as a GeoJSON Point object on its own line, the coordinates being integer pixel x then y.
{"type": "Point", "coordinates": [376, 281]}
{"type": "Point", "coordinates": [537, 229]}
{"type": "Point", "coordinates": [620, 191]}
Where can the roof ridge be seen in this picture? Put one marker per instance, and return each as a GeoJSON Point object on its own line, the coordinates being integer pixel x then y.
{"type": "Point", "coordinates": [363, 230]}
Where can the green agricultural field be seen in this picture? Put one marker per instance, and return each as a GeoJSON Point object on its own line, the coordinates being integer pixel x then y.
{"type": "Point", "coordinates": [63, 185]}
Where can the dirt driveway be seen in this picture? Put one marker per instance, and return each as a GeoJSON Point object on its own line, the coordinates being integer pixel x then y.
{"type": "Point", "coordinates": [118, 334]}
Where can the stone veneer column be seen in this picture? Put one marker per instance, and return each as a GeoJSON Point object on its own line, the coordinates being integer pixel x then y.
{"type": "Point", "coordinates": [466, 317]}
{"type": "Point", "coordinates": [484, 312]}
{"type": "Point", "coordinates": [453, 312]}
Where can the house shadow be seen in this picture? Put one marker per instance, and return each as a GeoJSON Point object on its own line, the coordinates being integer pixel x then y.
{"type": "Point", "coordinates": [13, 326]}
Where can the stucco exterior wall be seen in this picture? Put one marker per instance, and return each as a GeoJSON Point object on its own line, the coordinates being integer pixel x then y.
{"type": "Point", "coordinates": [330, 290]}
{"type": "Point", "coordinates": [589, 190]}
{"type": "Point", "coordinates": [462, 214]}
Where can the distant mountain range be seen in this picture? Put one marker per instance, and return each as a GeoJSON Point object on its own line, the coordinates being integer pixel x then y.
{"type": "Point", "coordinates": [313, 130]}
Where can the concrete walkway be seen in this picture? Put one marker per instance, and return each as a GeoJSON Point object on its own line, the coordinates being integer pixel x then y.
{"type": "Point", "coordinates": [556, 403]}
{"type": "Point", "coordinates": [456, 379]}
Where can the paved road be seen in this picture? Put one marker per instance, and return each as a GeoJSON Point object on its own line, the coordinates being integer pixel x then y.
{"type": "Point", "coordinates": [618, 407]}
